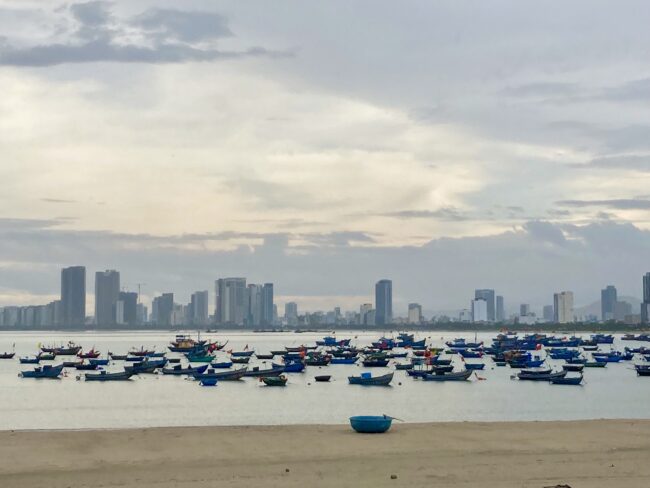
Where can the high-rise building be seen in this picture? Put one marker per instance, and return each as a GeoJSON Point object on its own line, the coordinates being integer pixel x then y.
{"type": "Point", "coordinates": [563, 307]}
{"type": "Point", "coordinates": [254, 304]}
{"type": "Point", "coordinates": [608, 299]}
{"type": "Point", "coordinates": [291, 313]}
{"type": "Point", "coordinates": [142, 316]}
{"type": "Point", "coordinates": [524, 310]}
{"type": "Point", "coordinates": [479, 310]}
{"type": "Point", "coordinates": [364, 314]}
{"type": "Point", "coordinates": [500, 311]}
{"type": "Point", "coordinates": [198, 312]}
{"type": "Point", "coordinates": [384, 302]}
{"type": "Point", "coordinates": [73, 296]}
{"type": "Point", "coordinates": [645, 303]}
{"type": "Point", "coordinates": [129, 306]}
{"type": "Point", "coordinates": [107, 291]}
{"type": "Point", "coordinates": [488, 296]}
{"type": "Point", "coordinates": [266, 317]}
{"type": "Point", "coordinates": [231, 307]}
{"type": "Point", "coordinates": [415, 313]}
{"type": "Point", "coordinates": [547, 313]}
{"type": "Point", "coordinates": [162, 309]}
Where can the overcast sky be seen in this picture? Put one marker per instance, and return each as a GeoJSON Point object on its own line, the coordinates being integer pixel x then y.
{"type": "Point", "coordinates": [447, 145]}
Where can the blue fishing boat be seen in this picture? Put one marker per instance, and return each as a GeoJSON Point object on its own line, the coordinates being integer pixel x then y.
{"type": "Point", "coordinates": [48, 371]}
{"type": "Point", "coordinates": [366, 379]}
{"type": "Point", "coordinates": [603, 338]}
{"type": "Point", "coordinates": [146, 366]}
{"type": "Point", "coordinates": [178, 370]}
{"type": "Point", "coordinates": [371, 424]}
{"type": "Point", "coordinates": [475, 366]}
{"type": "Point", "coordinates": [98, 361]}
{"type": "Point", "coordinates": [208, 382]}
{"type": "Point", "coordinates": [642, 369]}
{"type": "Point", "coordinates": [291, 366]}
{"type": "Point", "coordinates": [221, 376]}
{"type": "Point", "coordinates": [375, 363]}
{"type": "Point", "coordinates": [222, 365]}
{"type": "Point", "coordinates": [105, 376]}
{"type": "Point", "coordinates": [343, 360]}
{"type": "Point", "coordinates": [30, 360]}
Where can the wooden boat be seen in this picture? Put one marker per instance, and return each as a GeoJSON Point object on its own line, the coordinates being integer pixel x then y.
{"type": "Point", "coordinates": [240, 360]}
{"type": "Point", "coordinates": [264, 356]}
{"type": "Point", "coordinates": [457, 376]}
{"type": "Point", "coordinates": [371, 424]}
{"type": "Point", "coordinates": [323, 378]}
{"type": "Point", "coordinates": [274, 380]}
{"type": "Point", "coordinates": [98, 361]}
{"type": "Point", "coordinates": [142, 352]}
{"type": "Point", "coordinates": [566, 380]}
{"type": "Point", "coordinates": [72, 364]}
{"type": "Point", "coordinates": [367, 380]}
{"type": "Point", "coordinates": [118, 357]}
{"type": "Point", "coordinates": [70, 350]}
{"type": "Point", "coordinates": [200, 358]}
{"type": "Point", "coordinates": [30, 360]}
{"type": "Point", "coordinates": [88, 355]}
{"type": "Point", "coordinates": [146, 366]}
{"type": "Point", "coordinates": [342, 360]}
{"type": "Point", "coordinates": [221, 376]}
{"type": "Point", "coordinates": [208, 382]}
{"type": "Point", "coordinates": [178, 370]}
{"type": "Point", "coordinates": [222, 365]}
{"type": "Point", "coordinates": [595, 364]}
{"type": "Point", "coordinates": [540, 375]}
{"type": "Point", "coordinates": [257, 372]}
{"type": "Point", "coordinates": [320, 361]}
{"type": "Point", "coordinates": [47, 356]}
{"type": "Point", "coordinates": [573, 367]}
{"type": "Point", "coordinates": [403, 367]}
{"type": "Point", "coordinates": [105, 376]}
{"type": "Point", "coordinates": [642, 369]}
{"type": "Point", "coordinates": [475, 366]}
{"type": "Point", "coordinates": [279, 353]}
{"type": "Point", "coordinates": [184, 343]}
{"type": "Point", "coordinates": [375, 363]}
{"type": "Point", "coordinates": [84, 366]}
{"type": "Point", "coordinates": [7, 355]}
{"type": "Point", "coordinates": [47, 371]}
{"type": "Point", "coordinates": [242, 354]}
{"type": "Point", "coordinates": [291, 366]}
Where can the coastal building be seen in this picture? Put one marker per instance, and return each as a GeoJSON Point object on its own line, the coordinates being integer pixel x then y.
{"type": "Point", "coordinates": [128, 302]}
{"type": "Point", "coordinates": [366, 314]}
{"type": "Point", "coordinates": [107, 291]}
{"type": "Point", "coordinates": [231, 306]}
{"type": "Point", "coordinates": [608, 300]}
{"type": "Point", "coordinates": [267, 305]}
{"type": "Point", "coordinates": [547, 313]}
{"type": "Point", "coordinates": [383, 302]}
{"type": "Point", "coordinates": [73, 296]}
{"type": "Point", "coordinates": [254, 304]}
{"type": "Point", "coordinates": [500, 309]}
{"type": "Point", "coordinates": [162, 309]}
{"type": "Point", "coordinates": [645, 302]}
{"type": "Point", "coordinates": [291, 313]}
{"type": "Point", "coordinates": [142, 314]}
{"type": "Point", "coordinates": [563, 307]}
{"type": "Point", "coordinates": [479, 310]}
{"type": "Point", "coordinates": [488, 296]}
{"type": "Point", "coordinates": [622, 309]}
{"type": "Point", "coordinates": [524, 309]}
{"type": "Point", "coordinates": [198, 313]}
{"type": "Point", "coordinates": [415, 313]}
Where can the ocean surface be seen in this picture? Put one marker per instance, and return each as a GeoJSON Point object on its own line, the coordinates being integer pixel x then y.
{"type": "Point", "coordinates": [157, 400]}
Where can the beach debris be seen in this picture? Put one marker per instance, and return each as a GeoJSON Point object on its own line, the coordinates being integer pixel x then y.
{"type": "Point", "coordinates": [286, 470]}
{"type": "Point", "coordinates": [393, 476]}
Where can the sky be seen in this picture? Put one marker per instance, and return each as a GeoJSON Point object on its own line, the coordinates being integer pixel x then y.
{"type": "Point", "coordinates": [446, 145]}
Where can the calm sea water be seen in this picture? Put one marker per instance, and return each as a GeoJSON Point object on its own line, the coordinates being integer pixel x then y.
{"type": "Point", "coordinates": [156, 400]}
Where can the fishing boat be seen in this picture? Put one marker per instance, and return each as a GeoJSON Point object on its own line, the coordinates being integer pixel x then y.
{"type": "Point", "coordinates": [257, 372]}
{"type": "Point", "coordinates": [84, 366]}
{"type": "Point", "coordinates": [403, 366]}
{"type": "Point", "coordinates": [366, 379]}
{"type": "Point", "coordinates": [595, 364]}
{"type": "Point", "coordinates": [544, 374]}
{"type": "Point", "coordinates": [30, 360]}
{"type": "Point", "coordinates": [318, 361]}
{"type": "Point", "coordinates": [7, 355]}
{"type": "Point", "coordinates": [322, 378]}
{"type": "Point", "coordinates": [573, 367]}
{"type": "Point", "coordinates": [242, 354]}
{"type": "Point", "coordinates": [105, 376]}
{"type": "Point", "coordinates": [208, 382]}
{"type": "Point", "coordinates": [48, 372]}
{"type": "Point", "coordinates": [73, 363]}
{"type": "Point", "coordinates": [274, 380]}
{"type": "Point", "coordinates": [241, 360]}
{"type": "Point", "coordinates": [47, 356]}
{"type": "Point", "coordinates": [500, 363]}
{"type": "Point", "coordinates": [184, 343]}
{"type": "Point", "coordinates": [566, 380]}
{"type": "Point", "coordinates": [375, 362]}
{"type": "Point", "coordinates": [291, 366]}
{"type": "Point", "coordinates": [222, 365]}
{"type": "Point", "coordinates": [178, 370]}
{"type": "Point", "coordinates": [142, 352]}
{"type": "Point", "coordinates": [457, 376]}
{"type": "Point", "coordinates": [71, 349]}
{"type": "Point", "coordinates": [642, 369]}
{"type": "Point", "coordinates": [475, 366]}
{"type": "Point", "coordinates": [371, 424]}
{"type": "Point", "coordinates": [263, 356]}
{"type": "Point", "coordinates": [98, 361]}
{"type": "Point", "coordinates": [350, 360]}
{"type": "Point", "coordinates": [118, 357]}
{"type": "Point", "coordinates": [92, 354]}
{"type": "Point", "coordinates": [279, 352]}
{"type": "Point", "coordinates": [221, 376]}
{"type": "Point", "coordinates": [200, 358]}
{"type": "Point", "coordinates": [146, 366]}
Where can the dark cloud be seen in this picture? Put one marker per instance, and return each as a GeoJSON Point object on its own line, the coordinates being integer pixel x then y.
{"type": "Point", "coordinates": [169, 36]}
{"type": "Point", "coordinates": [617, 203]}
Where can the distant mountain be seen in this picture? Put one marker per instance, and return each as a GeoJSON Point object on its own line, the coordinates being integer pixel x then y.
{"type": "Point", "coordinates": [594, 308]}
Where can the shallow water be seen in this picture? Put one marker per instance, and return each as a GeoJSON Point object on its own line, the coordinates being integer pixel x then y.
{"type": "Point", "coordinates": [156, 400]}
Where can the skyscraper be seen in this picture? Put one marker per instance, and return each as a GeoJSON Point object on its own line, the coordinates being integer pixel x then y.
{"type": "Point", "coordinates": [129, 301]}
{"type": "Point", "coordinates": [488, 296]}
{"type": "Point", "coordinates": [291, 313]}
{"type": "Point", "coordinates": [524, 309]}
{"type": "Point", "coordinates": [267, 304]}
{"type": "Point", "coordinates": [199, 308]}
{"type": "Point", "coordinates": [608, 299]}
{"type": "Point", "coordinates": [479, 310]}
{"type": "Point", "coordinates": [645, 304]}
{"type": "Point", "coordinates": [107, 291]}
{"type": "Point", "coordinates": [384, 302]}
{"type": "Point", "coordinates": [254, 304]}
{"type": "Point", "coordinates": [501, 311]}
{"type": "Point", "coordinates": [415, 313]}
{"type": "Point", "coordinates": [547, 313]}
{"type": "Point", "coordinates": [563, 307]}
{"type": "Point", "coordinates": [73, 295]}
{"type": "Point", "coordinates": [231, 306]}
{"type": "Point", "coordinates": [162, 309]}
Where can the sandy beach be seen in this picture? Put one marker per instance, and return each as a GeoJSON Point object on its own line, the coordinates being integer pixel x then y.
{"type": "Point", "coordinates": [593, 454]}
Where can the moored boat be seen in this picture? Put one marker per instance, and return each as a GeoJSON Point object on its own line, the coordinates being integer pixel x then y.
{"type": "Point", "coordinates": [48, 372]}
{"type": "Point", "coordinates": [7, 355]}
{"type": "Point", "coordinates": [366, 379]}
{"type": "Point", "coordinates": [274, 380]}
{"type": "Point", "coordinates": [221, 376]}
{"type": "Point", "coordinates": [178, 370]}
{"type": "Point", "coordinates": [566, 380]}
{"type": "Point", "coordinates": [453, 376]}
{"type": "Point", "coordinates": [106, 376]}
{"type": "Point", "coordinates": [257, 372]}
{"type": "Point", "coordinates": [371, 424]}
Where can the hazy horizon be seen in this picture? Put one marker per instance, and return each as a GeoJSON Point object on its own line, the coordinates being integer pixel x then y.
{"type": "Point", "coordinates": [444, 145]}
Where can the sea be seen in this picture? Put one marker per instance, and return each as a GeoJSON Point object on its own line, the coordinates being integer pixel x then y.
{"type": "Point", "coordinates": [614, 392]}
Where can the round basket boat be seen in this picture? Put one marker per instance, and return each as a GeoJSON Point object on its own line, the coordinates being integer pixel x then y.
{"type": "Point", "coordinates": [371, 424]}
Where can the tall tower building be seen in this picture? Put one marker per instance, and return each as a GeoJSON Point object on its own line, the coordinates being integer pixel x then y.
{"type": "Point", "coordinates": [267, 304]}
{"type": "Point", "coordinates": [384, 302]}
{"type": "Point", "coordinates": [488, 296]}
{"type": "Point", "coordinates": [129, 301]}
{"type": "Point", "coordinates": [501, 311]}
{"type": "Point", "coordinates": [107, 292]}
{"type": "Point", "coordinates": [291, 313]}
{"type": "Point", "coordinates": [608, 299]}
{"type": "Point", "coordinates": [563, 307]}
{"type": "Point", "coordinates": [645, 304]}
{"type": "Point", "coordinates": [231, 301]}
{"type": "Point", "coordinates": [254, 304]}
{"type": "Point", "coordinates": [479, 310]}
{"type": "Point", "coordinates": [73, 296]}
{"type": "Point", "coordinates": [415, 313]}
{"type": "Point", "coordinates": [199, 308]}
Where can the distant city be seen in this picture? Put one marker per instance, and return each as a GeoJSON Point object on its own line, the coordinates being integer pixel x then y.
{"type": "Point", "coordinates": [252, 305]}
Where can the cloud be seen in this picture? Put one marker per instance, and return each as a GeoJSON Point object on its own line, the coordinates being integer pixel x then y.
{"type": "Point", "coordinates": [155, 36]}
{"type": "Point", "coordinates": [56, 200]}
{"type": "Point", "coordinates": [623, 162]}
{"type": "Point", "coordinates": [542, 90]}
{"type": "Point", "coordinates": [616, 203]}
{"type": "Point", "coordinates": [444, 213]}
{"type": "Point", "coordinates": [631, 91]}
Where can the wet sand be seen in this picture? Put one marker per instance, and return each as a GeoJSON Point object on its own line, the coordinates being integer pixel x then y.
{"type": "Point", "coordinates": [584, 454]}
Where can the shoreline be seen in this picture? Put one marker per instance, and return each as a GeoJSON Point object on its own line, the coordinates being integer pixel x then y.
{"type": "Point", "coordinates": [586, 453]}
